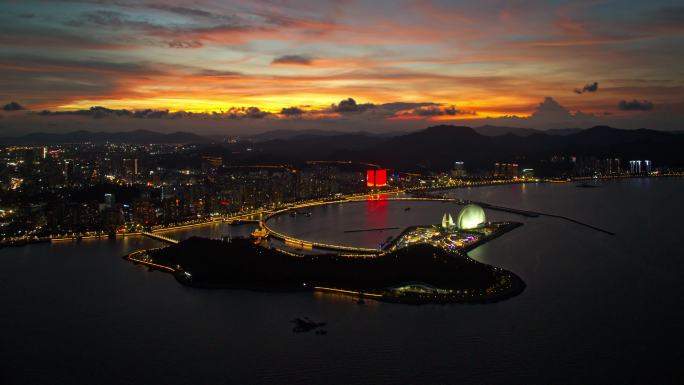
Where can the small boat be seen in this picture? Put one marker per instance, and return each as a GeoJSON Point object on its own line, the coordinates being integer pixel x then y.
{"type": "Point", "coordinates": [587, 185]}
{"type": "Point", "coordinates": [303, 325]}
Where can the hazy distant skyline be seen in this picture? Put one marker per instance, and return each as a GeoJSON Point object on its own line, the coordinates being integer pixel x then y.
{"type": "Point", "coordinates": [394, 65]}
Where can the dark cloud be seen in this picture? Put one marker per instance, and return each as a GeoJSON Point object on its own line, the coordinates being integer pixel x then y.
{"type": "Point", "coordinates": [151, 114]}
{"type": "Point", "coordinates": [28, 35]}
{"type": "Point", "coordinates": [217, 73]}
{"type": "Point", "coordinates": [103, 18]}
{"type": "Point", "coordinates": [551, 110]}
{"type": "Point", "coordinates": [183, 11]}
{"type": "Point", "coordinates": [291, 111]}
{"type": "Point", "coordinates": [135, 30]}
{"type": "Point", "coordinates": [13, 106]}
{"type": "Point", "coordinates": [246, 112]}
{"type": "Point", "coordinates": [184, 44]}
{"type": "Point", "coordinates": [118, 21]}
{"type": "Point", "coordinates": [349, 106]}
{"type": "Point", "coordinates": [196, 13]}
{"type": "Point", "coordinates": [549, 114]}
{"type": "Point", "coordinates": [96, 112]}
{"type": "Point", "coordinates": [432, 111]}
{"type": "Point", "coordinates": [592, 87]}
{"type": "Point", "coordinates": [437, 110]}
{"type": "Point", "coordinates": [67, 65]}
{"type": "Point", "coordinates": [402, 106]}
{"type": "Point", "coordinates": [292, 60]}
{"type": "Point", "coordinates": [671, 16]}
{"type": "Point", "coordinates": [255, 113]}
{"type": "Point", "coordinates": [635, 105]}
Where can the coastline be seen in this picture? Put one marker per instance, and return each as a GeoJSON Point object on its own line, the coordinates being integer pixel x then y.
{"type": "Point", "coordinates": [467, 280]}
{"type": "Point", "coordinates": [22, 241]}
{"type": "Point", "coordinates": [516, 288]}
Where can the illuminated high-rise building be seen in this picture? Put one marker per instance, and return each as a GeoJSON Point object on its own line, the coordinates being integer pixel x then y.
{"type": "Point", "coordinates": [376, 178]}
{"type": "Point", "coordinates": [506, 170]}
{"type": "Point", "coordinates": [215, 161]}
{"type": "Point", "coordinates": [109, 200]}
{"type": "Point", "coordinates": [459, 170]}
{"type": "Point", "coordinates": [130, 166]}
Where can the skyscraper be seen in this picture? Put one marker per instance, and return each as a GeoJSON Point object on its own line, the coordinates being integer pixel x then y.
{"type": "Point", "coordinates": [130, 166]}
{"type": "Point", "coordinates": [459, 169]}
{"type": "Point", "coordinates": [109, 199]}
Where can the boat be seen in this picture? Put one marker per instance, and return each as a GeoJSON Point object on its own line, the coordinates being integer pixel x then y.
{"type": "Point", "coordinates": [407, 209]}
{"type": "Point", "coordinates": [302, 325]}
{"type": "Point", "coordinates": [587, 185]}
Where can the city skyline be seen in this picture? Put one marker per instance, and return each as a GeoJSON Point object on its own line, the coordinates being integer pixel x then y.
{"type": "Point", "coordinates": [362, 65]}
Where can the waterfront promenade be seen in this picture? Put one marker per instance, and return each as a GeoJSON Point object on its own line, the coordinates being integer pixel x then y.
{"type": "Point", "coordinates": [258, 215]}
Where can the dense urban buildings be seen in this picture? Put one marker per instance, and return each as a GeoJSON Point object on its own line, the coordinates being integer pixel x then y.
{"type": "Point", "coordinates": [78, 188]}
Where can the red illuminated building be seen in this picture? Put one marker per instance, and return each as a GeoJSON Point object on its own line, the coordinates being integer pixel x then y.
{"type": "Point", "coordinates": [376, 178]}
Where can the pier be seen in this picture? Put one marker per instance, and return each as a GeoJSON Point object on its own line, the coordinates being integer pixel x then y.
{"type": "Point", "coordinates": [535, 214]}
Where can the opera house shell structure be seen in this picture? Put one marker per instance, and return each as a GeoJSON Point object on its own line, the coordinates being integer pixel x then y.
{"type": "Point", "coordinates": [470, 217]}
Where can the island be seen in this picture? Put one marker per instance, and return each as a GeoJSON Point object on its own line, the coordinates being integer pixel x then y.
{"type": "Point", "coordinates": [415, 274]}
{"type": "Point", "coordinates": [424, 264]}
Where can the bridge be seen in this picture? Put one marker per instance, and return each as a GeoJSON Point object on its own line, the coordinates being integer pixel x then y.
{"type": "Point", "coordinates": [159, 237]}
{"type": "Point", "coordinates": [291, 241]}
{"type": "Point", "coordinates": [357, 251]}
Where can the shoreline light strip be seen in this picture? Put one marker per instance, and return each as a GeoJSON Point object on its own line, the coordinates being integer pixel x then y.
{"type": "Point", "coordinates": [343, 291]}
{"type": "Point", "coordinates": [152, 264]}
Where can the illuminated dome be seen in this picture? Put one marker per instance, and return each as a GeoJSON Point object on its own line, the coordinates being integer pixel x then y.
{"type": "Point", "coordinates": [470, 217]}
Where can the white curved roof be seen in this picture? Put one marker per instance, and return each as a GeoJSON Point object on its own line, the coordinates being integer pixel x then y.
{"type": "Point", "coordinates": [470, 217]}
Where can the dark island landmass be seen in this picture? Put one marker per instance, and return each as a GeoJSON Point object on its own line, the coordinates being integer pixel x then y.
{"type": "Point", "coordinates": [420, 273]}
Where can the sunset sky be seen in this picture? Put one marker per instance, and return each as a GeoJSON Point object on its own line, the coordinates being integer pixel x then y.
{"type": "Point", "coordinates": [295, 64]}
